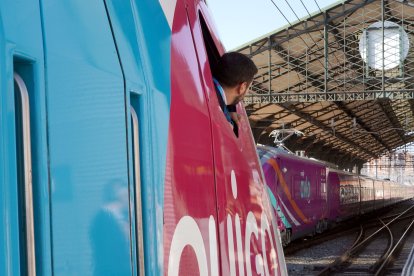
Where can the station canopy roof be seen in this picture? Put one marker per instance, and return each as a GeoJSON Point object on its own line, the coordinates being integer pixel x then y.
{"type": "Point", "coordinates": [343, 76]}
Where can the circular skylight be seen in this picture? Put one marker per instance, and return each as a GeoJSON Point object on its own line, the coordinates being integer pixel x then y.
{"type": "Point", "coordinates": [384, 53]}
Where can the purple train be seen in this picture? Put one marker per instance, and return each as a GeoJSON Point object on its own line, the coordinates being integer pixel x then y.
{"type": "Point", "coordinates": [309, 195]}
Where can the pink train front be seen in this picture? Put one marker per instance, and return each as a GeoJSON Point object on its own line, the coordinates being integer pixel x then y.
{"type": "Point", "coordinates": [217, 218]}
{"type": "Point", "coordinates": [309, 195]}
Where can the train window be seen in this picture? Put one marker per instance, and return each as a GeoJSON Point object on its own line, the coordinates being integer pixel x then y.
{"type": "Point", "coordinates": [322, 193]}
{"type": "Point", "coordinates": [296, 187]}
{"type": "Point", "coordinates": [301, 187]}
{"type": "Point", "coordinates": [24, 166]}
{"type": "Point", "coordinates": [323, 180]}
{"type": "Point", "coordinates": [305, 188]}
{"type": "Point", "coordinates": [323, 186]}
{"type": "Point", "coordinates": [138, 198]}
{"type": "Point", "coordinates": [213, 56]}
{"type": "Point", "coordinates": [261, 152]}
{"type": "Point", "coordinates": [342, 194]}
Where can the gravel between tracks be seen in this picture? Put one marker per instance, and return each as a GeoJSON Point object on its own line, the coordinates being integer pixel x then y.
{"type": "Point", "coordinates": [309, 261]}
{"type": "Point", "coordinates": [304, 261]}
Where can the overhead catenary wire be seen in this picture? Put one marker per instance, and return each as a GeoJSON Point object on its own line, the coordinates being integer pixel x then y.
{"type": "Point", "coordinates": [327, 63]}
{"type": "Point", "coordinates": [334, 53]}
{"type": "Point", "coordinates": [297, 17]}
{"type": "Point", "coordinates": [290, 24]}
{"type": "Point", "coordinates": [344, 30]}
{"type": "Point", "coordinates": [320, 10]}
{"type": "Point", "coordinates": [317, 5]}
{"type": "Point", "coordinates": [299, 36]}
{"type": "Point", "coordinates": [311, 37]}
{"type": "Point", "coordinates": [281, 12]}
{"type": "Point", "coordinates": [305, 7]}
{"type": "Point", "coordinates": [292, 10]}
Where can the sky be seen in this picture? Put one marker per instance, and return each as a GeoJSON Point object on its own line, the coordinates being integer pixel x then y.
{"type": "Point", "coordinates": [241, 21]}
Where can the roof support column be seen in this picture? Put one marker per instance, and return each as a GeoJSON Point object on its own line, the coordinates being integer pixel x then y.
{"type": "Point", "coordinates": [326, 51]}
{"type": "Point", "coordinates": [270, 65]}
{"type": "Point", "coordinates": [383, 46]}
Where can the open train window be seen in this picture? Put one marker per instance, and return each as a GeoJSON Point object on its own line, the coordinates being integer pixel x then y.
{"type": "Point", "coordinates": [213, 56]}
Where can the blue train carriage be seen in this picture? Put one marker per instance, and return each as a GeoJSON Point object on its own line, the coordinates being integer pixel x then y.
{"type": "Point", "coordinates": [94, 100]}
{"type": "Point", "coordinates": [63, 128]}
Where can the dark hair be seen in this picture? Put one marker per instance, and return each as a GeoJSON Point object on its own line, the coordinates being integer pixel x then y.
{"type": "Point", "coordinates": [234, 68]}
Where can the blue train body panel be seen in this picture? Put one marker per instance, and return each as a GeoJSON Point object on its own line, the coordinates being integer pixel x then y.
{"type": "Point", "coordinates": [21, 50]}
{"type": "Point", "coordinates": [87, 66]}
{"type": "Point", "coordinates": [87, 141]}
{"type": "Point", "coordinates": [82, 80]}
{"type": "Point", "coordinates": [145, 59]}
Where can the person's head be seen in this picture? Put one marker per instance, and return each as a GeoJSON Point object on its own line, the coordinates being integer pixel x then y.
{"type": "Point", "coordinates": [235, 73]}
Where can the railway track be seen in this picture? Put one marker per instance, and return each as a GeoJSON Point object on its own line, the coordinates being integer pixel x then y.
{"type": "Point", "coordinates": [374, 254]}
{"type": "Point", "coordinates": [345, 228]}
{"type": "Point", "coordinates": [378, 246]}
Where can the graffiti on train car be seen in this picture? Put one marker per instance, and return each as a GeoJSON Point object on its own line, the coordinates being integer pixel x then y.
{"type": "Point", "coordinates": [349, 194]}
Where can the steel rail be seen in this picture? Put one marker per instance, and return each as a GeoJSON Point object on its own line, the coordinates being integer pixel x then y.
{"type": "Point", "coordinates": [380, 270]}
{"type": "Point", "coordinates": [390, 247]}
{"type": "Point", "coordinates": [360, 236]}
{"type": "Point", "coordinates": [359, 246]}
{"type": "Point", "coordinates": [344, 257]}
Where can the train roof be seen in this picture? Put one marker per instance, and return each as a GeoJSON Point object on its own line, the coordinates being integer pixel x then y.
{"type": "Point", "coordinates": [266, 152]}
{"type": "Point", "coordinates": [365, 176]}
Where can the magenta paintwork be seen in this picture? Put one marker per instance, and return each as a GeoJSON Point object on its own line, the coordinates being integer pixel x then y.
{"type": "Point", "coordinates": [213, 182]}
{"type": "Point", "coordinates": [310, 195]}
{"type": "Point", "coordinates": [306, 203]}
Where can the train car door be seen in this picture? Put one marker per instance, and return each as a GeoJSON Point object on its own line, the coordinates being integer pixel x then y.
{"type": "Point", "coordinates": [334, 196]}
{"type": "Point", "coordinates": [159, 147]}
{"type": "Point", "coordinates": [248, 235]}
{"type": "Point", "coordinates": [87, 142]}
{"type": "Point", "coordinates": [190, 216]}
{"type": "Point", "coordinates": [24, 184]}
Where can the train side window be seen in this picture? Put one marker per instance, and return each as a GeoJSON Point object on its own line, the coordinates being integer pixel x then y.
{"type": "Point", "coordinates": [323, 187]}
{"type": "Point", "coordinates": [296, 186]}
{"type": "Point", "coordinates": [137, 182]}
{"type": "Point", "coordinates": [213, 54]}
{"type": "Point", "coordinates": [24, 166]}
{"type": "Point", "coordinates": [305, 188]}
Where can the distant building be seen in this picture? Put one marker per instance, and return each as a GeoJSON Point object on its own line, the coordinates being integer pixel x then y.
{"type": "Point", "coordinates": [397, 166]}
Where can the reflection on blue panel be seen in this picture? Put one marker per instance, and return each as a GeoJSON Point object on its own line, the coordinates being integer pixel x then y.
{"type": "Point", "coordinates": [87, 141]}
{"type": "Point", "coordinates": [145, 55]}
{"type": "Point", "coordinates": [111, 248]}
{"type": "Point", "coordinates": [80, 162]}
